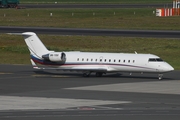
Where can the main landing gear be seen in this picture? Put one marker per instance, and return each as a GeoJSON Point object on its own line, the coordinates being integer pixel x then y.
{"type": "Point", "coordinates": [99, 74]}
{"type": "Point", "coordinates": [87, 74]}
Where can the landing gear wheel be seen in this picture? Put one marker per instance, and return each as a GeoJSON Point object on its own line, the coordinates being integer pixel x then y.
{"type": "Point", "coordinates": [86, 74]}
{"type": "Point", "coordinates": [160, 76]}
{"type": "Point", "coordinates": [99, 74]}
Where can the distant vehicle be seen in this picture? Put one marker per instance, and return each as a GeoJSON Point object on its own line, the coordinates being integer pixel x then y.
{"type": "Point", "coordinates": [88, 62]}
{"type": "Point", "coordinates": [9, 3]}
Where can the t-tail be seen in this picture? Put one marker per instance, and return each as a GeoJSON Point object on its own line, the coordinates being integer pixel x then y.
{"type": "Point", "coordinates": [39, 53]}
{"type": "Point", "coordinates": [35, 46]}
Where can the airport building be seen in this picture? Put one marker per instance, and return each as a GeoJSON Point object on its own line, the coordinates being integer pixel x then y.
{"type": "Point", "coordinates": [174, 11]}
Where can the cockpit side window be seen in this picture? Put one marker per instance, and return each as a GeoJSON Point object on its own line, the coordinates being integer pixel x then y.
{"type": "Point", "coordinates": [155, 60]}
{"type": "Point", "coordinates": [152, 59]}
{"type": "Point", "coordinates": [159, 60]}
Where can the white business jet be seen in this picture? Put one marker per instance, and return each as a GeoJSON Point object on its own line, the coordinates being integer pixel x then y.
{"type": "Point", "coordinates": [89, 62]}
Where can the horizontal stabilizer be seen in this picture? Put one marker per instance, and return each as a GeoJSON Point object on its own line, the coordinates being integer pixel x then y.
{"type": "Point", "coordinates": [14, 33]}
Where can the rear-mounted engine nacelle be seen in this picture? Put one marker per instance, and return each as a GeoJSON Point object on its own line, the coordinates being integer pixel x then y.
{"type": "Point", "coordinates": [55, 57]}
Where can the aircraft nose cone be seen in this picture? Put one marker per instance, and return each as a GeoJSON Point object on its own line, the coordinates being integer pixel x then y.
{"type": "Point", "coordinates": [168, 68]}
{"type": "Point", "coordinates": [171, 68]}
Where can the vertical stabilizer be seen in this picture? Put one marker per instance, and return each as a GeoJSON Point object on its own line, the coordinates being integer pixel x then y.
{"type": "Point", "coordinates": [35, 46]}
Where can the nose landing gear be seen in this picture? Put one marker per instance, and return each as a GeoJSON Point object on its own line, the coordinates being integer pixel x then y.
{"type": "Point", "coordinates": [160, 76]}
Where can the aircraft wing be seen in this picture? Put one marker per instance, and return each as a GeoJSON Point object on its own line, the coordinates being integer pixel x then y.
{"type": "Point", "coordinates": [90, 68]}
{"type": "Point", "coordinates": [94, 69]}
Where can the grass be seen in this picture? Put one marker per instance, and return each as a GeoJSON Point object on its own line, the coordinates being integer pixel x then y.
{"type": "Point", "coordinates": [13, 49]}
{"type": "Point", "coordinates": [133, 18]}
{"type": "Point", "coordinates": [96, 1]}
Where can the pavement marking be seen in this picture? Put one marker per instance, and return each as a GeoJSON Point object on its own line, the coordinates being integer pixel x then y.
{"type": "Point", "coordinates": [37, 75]}
{"type": "Point", "coordinates": [60, 76]}
{"type": "Point", "coordinates": [3, 73]}
{"type": "Point", "coordinates": [25, 103]}
{"type": "Point", "coordinates": [53, 76]}
{"type": "Point", "coordinates": [161, 87]}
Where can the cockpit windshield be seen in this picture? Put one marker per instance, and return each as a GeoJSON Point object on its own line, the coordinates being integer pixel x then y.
{"type": "Point", "coordinates": [155, 60]}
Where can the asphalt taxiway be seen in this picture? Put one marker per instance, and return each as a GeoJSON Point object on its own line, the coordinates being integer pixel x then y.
{"type": "Point", "coordinates": [94, 5]}
{"type": "Point", "coordinates": [27, 94]}
{"type": "Point", "coordinates": [92, 32]}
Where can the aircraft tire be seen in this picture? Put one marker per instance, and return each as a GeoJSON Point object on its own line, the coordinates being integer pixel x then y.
{"type": "Point", "coordinates": [99, 74]}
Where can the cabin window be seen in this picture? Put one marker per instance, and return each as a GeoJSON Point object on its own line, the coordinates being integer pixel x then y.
{"type": "Point", "coordinates": [83, 59]}
{"type": "Point", "coordinates": [124, 61]}
{"type": "Point", "coordinates": [119, 60]}
{"type": "Point", "coordinates": [133, 61]}
{"type": "Point", "coordinates": [78, 59]}
{"type": "Point", "coordinates": [114, 60]}
{"type": "Point", "coordinates": [91, 59]}
{"type": "Point", "coordinates": [104, 60]}
{"type": "Point", "coordinates": [96, 60]}
{"type": "Point", "coordinates": [100, 60]}
{"type": "Point", "coordinates": [87, 59]}
{"type": "Point", "coordinates": [109, 60]}
{"type": "Point", "coordinates": [129, 61]}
